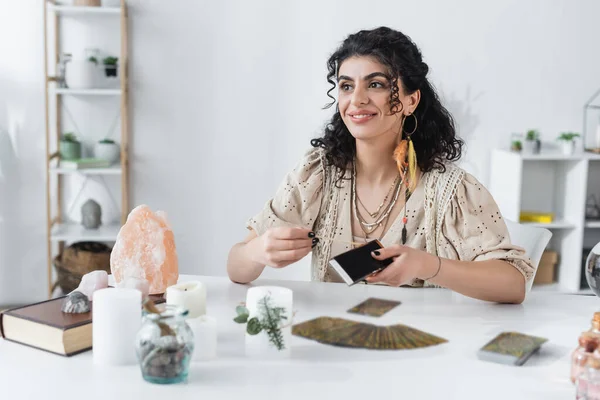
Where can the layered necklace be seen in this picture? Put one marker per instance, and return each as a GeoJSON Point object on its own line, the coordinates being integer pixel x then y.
{"type": "Point", "coordinates": [382, 214]}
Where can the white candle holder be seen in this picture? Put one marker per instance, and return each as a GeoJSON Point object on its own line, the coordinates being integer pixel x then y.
{"type": "Point", "coordinates": [205, 337]}
{"type": "Point", "coordinates": [117, 317]}
{"type": "Point", "coordinates": [190, 296]}
{"type": "Point", "coordinates": [263, 304]}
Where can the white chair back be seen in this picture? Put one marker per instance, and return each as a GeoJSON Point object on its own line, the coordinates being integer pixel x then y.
{"type": "Point", "coordinates": [533, 239]}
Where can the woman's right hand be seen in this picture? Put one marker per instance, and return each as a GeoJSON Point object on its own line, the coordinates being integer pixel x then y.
{"type": "Point", "coordinates": [281, 246]}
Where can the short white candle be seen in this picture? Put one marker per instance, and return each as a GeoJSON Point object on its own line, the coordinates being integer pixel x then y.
{"type": "Point", "coordinates": [190, 296]}
{"type": "Point", "coordinates": [260, 345]}
{"type": "Point", "coordinates": [205, 337]}
{"type": "Point", "coordinates": [116, 320]}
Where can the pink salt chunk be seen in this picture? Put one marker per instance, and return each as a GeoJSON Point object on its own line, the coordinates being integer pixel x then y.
{"type": "Point", "coordinates": [145, 249]}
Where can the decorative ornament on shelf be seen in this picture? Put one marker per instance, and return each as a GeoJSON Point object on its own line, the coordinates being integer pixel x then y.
{"type": "Point", "coordinates": [83, 73]}
{"type": "Point", "coordinates": [268, 319]}
{"type": "Point", "coordinates": [532, 143]}
{"type": "Point", "coordinates": [592, 208]}
{"type": "Point", "coordinates": [145, 249]}
{"type": "Point", "coordinates": [91, 214]}
{"type": "Point", "coordinates": [69, 147]}
{"type": "Point", "coordinates": [592, 269]}
{"type": "Point", "coordinates": [567, 140]}
{"type": "Point", "coordinates": [61, 69]}
{"type": "Point", "coordinates": [516, 141]}
{"type": "Point", "coordinates": [107, 149]}
{"type": "Point", "coordinates": [110, 66]}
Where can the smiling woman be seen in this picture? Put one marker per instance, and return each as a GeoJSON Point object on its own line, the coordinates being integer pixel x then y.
{"type": "Point", "coordinates": [384, 170]}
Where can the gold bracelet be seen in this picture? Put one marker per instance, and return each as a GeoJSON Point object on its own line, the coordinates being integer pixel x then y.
{"type": "Point", "coordinates": [438, 270]}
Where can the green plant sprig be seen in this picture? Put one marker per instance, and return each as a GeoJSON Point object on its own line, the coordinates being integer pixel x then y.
{"type": "Point", "coordinates": [269, 319]}
{"type": "Point", "coordinates": [568, 136]}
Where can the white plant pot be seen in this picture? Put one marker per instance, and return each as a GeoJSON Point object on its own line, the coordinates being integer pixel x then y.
{"type": "Point", "coordinates": [81, 75]}
{"type": "Point", "coordinates": [530, 147]}
{"type": "Point", "coordinates": [568, 147]}
{"type": "Point", "coordinates": [259, 346]}
{"type": "Point", "coordinates": [107, 151]}
{"type": "Point", "coordinates": [111, 3]}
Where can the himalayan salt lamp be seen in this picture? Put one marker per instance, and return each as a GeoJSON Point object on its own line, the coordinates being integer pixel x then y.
{"type": "Point", "coordinates": [134, 283]}
{"type": "Point", "coordinates": [145, 249]}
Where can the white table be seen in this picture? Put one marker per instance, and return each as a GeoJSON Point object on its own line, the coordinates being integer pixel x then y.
{"type": "Point", "coordinates": [314, 371]}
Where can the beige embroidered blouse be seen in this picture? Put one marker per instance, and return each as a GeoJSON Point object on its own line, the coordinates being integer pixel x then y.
{"type": "Point", "coordinates": [450, 214]}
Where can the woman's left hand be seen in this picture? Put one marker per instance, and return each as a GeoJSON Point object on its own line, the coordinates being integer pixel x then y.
{"type": "Point", "coordinates": [408, 264]}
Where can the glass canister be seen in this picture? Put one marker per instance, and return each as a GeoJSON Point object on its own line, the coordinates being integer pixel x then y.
{"type": "Point", "coordinates": [165, 344]}
{"type": "Point", "coordinates": [588, 342]}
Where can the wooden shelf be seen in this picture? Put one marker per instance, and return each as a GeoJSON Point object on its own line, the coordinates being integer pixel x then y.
{"type": "Point", "coordinates": [82, 10]}
{"type": "Point", "coordinates": [592, 224]}
{"type": "Point", "coordinates": [87, 92]}
{"type": "Point", "coordinates": [558, 224]}
{"type": "Point", "coordinates": [74, 231]}
{"type": "Point", "coordinates": [114, 170]}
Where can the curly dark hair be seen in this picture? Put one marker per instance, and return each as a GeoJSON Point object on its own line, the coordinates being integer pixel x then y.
{"type": "Point", "coordinates": [435, 138]}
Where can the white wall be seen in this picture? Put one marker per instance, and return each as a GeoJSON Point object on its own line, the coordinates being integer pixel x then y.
{"type": "Point", "coordinates": [226, 95]}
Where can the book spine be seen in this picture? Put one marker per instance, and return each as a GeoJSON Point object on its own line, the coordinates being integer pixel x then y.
{"type": "Point", "coordinates": [1, 326]}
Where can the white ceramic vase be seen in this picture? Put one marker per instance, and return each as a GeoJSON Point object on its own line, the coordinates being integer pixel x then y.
{"type": "Point", "coordinates": [530, 147]}
{"type": "Point", "coordinates": [82, 74]}
{"type": "Point", "coordinates": [107, 151]}
{"type": "Point", "coordinates": [568, 147]}
{"type": "Point", "coordinates": [111, 3]}
{"type": "Point", "coordinates": [260, 345]}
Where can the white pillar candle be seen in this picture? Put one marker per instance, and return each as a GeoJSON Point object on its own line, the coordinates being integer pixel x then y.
{"type": "Point", "coordinates": [259, 345]}
{"type": "Point", "coordinates": [205, 337]}
{"type": "Point", "coordinates": [190, 296]}
{"type": "Point", "coordinates": [116, 320]}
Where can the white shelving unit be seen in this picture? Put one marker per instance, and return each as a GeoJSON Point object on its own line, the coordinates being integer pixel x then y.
{"type": "Point", "coordinates": [550, 182]}
{"type": "Point", "coordinates": [82, 10]}
{"type": "Point", "coordinates": [68, 232]}
{"type": "Point", "coordinates": [86, 92]}
{"type": "Point", "coordinates": [60, 229]}
{"type": "Point", "coordinates": [592, 224]}
{"type": "Point", "coordinates": [115, 170]}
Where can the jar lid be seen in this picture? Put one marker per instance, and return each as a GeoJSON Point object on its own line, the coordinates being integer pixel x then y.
{"type": "Point", "coordinates": [166, 311]}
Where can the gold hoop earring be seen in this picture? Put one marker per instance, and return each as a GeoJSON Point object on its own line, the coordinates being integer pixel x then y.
{"type": "Point", "coordinates": [415, 128]}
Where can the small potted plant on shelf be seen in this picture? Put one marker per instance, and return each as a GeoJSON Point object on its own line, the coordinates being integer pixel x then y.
{"type": "Point", "coordinates": [531, 144]}
{"type": "Point", "coordinates": [110, 66]}
{"type": "Point", "coordinates": [70, 147]}
{"type": "Point", "coordinates": [568, 142]}
{"type": "Point", "coordinates": [107, 149]}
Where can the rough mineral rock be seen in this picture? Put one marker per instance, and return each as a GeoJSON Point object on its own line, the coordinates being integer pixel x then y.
{"type": "Point", "coordinates": [91, 282]}
{"type": "Point", "coordinates": [135, 283]}
{"type": "Point", "coordinates": [76, 303]}
{"type": "Point", "coordinates": [145, 249]}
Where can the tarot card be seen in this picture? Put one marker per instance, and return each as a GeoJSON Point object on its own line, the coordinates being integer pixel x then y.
{"type": "Point", "coordinates": [374, 307]}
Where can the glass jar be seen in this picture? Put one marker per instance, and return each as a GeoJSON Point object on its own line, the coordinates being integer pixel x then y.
{"type": "Point", "coordinates": [588, 342]}
{"type": "Point", "coordinates": [164, 345]}
{"type": "Point", "coordinates": [588, 383]}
